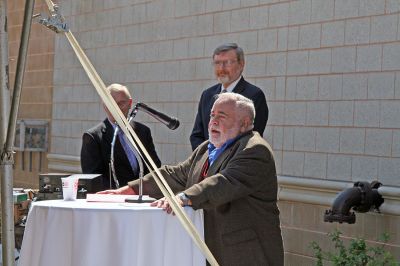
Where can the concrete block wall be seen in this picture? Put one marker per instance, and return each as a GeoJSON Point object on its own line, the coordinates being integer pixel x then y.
{"type": "Point", "coordinates": [330, 70]}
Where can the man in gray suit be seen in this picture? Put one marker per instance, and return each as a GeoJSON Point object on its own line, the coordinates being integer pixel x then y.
{"type": "Point", "coordinates": [232, 177]}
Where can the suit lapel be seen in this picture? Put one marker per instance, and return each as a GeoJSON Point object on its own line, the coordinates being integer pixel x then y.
{"type": "Point", "coordinates": [224, 156]}
{"type": "Point", "coordinates": [215, 94]}
{"type": "Point", "coordinates": [217, 90]}
{"type": "Point", "coordinates": [108, 131]}
{"type": "Point", "coordinates": [133, 125]}
{"type": "Point", "coordinates": [195, 176]}
{"type": "Point", "coordinates": [216, 166]}
{"type": "Point", "coordinates": [239, 88]}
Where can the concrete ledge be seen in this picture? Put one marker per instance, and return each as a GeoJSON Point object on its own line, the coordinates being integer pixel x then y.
{"type": "Point", "coordinates": [323, 192]}
{"type": "Point", "coordinates": [392, 199]}
{"type": "Point", "coordinates": [67, 163]}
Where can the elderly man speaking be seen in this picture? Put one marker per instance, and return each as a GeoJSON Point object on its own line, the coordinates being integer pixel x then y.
{"type": "Point", "coordinates": [232, 177]}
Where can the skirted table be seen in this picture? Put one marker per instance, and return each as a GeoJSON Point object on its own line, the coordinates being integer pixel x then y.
{"type": "Point", "coordinates": [74, 233]}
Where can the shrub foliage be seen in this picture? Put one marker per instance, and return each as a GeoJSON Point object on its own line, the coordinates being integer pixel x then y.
{"type": "Point", "coordinates": [357, 253]}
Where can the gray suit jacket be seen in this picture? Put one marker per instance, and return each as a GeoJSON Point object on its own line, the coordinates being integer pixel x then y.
{"type": "Point", "coordinates": [239, 194]}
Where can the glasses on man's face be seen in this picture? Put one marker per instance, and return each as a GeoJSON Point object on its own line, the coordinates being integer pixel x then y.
{"type": "Point", "coordinates": [123, 103]}
{"type": "Point", "coordinates": [225, 63]}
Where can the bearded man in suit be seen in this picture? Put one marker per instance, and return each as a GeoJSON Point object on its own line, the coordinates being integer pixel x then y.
{"type": "Point", "coordinates": [232, 177]}
{"type": "Point", "coordinates": [228, 62]}
{"type": "Point", "coordinates": [96, 144]}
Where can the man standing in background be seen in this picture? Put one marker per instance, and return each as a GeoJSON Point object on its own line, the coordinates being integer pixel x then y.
{"type": "Point", "coordinates": [228, 62]}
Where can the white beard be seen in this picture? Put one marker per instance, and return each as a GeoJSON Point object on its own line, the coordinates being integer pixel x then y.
{"type": "Point", "coordinates": [223, 79]}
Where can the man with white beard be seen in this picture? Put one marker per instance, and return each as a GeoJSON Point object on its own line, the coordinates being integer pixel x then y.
{"type": "Point", "coordinates": [232, 177]}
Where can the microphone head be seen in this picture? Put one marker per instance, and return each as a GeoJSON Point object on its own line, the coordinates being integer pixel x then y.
{"type": "Point", "coordinates": [174, 124]}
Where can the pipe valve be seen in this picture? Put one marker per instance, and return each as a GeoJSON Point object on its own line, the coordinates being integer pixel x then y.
{"type": "Point", "coordinates": [362, 197]}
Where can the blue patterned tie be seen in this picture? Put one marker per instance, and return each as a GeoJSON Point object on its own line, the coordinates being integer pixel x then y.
{"type": "Point", "coordinates": [128, 151]}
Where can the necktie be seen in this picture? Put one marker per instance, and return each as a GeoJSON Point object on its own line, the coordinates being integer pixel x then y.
{"type": "Point", "coordinates": [128, 151]}
{"type": "Point", "coordinates": [223, 91]}
{"type": "Point", "coordinates": [204, 171]}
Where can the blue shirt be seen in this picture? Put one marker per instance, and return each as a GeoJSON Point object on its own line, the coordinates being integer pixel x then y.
{"type": "Point", "coordinates": [214, 152]}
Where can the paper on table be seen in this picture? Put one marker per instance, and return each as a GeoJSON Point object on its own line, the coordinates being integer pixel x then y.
{"type": "Point", "coordinates": [111, 197]}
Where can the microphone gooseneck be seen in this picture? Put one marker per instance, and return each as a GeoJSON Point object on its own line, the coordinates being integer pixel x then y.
{"type": "Point", "coordinates": [111, 164]}
{"type": "Point", "coordinates": [170, 122]}
{"type": "Point", "coordinates": [112, 168]}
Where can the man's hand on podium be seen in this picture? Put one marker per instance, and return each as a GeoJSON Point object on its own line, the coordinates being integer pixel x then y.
{"type": "Point", "coordinates": [163, 203]}
{"type": "Point", "coordinates": [126, 190]}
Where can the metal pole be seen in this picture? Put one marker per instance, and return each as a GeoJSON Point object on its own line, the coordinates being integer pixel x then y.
{"type": "Point", "coordinates": [7, 231]}
{"type": "Point", "coordinates": [19, 75]}
{"type": "Point", "coordinates": [7, 154]}
{"type": "Point", "coordinates": [4, 89]}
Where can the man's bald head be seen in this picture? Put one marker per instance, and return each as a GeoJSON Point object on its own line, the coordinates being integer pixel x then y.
{"type": "Point", "coordinates": [118, 88]}
{"type": "Point", "coordinates": [122, 97]}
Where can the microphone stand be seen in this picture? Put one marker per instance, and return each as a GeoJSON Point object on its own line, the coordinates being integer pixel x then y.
{"type": "Point", "coordinates": [112, 168]}
{"type": "Point", "coordinates": [139, 159]}
{"type": "Point", "coordinates": [138, 199]}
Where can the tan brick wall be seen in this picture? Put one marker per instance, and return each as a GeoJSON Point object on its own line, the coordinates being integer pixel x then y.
{"type": "Point", "coordinates": [37, 91]}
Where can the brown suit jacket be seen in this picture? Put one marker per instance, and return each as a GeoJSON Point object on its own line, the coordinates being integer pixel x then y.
{"type": "Point", "coordinates": [239, 194]}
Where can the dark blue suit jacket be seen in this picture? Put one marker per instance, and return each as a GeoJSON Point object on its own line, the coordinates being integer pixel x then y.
{"type": "Point", "coordinates": [200, 128]}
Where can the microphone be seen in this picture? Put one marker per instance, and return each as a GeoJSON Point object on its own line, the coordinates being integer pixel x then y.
{"type": "Point", "coordinates": [170, 122]}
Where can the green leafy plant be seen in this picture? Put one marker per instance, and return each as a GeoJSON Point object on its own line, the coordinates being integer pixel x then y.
{"type": "Point", "coordinates": [356, 254]}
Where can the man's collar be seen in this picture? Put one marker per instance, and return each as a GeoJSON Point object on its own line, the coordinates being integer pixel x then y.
{"type": "Point", "coordinates": [111, 123]}
{"type": "Point", "coordinates": [212, 147]}
{"type": "Point", "coordinates": [231, 86]}
{"type": "Point", "coordinates": [229, 141]}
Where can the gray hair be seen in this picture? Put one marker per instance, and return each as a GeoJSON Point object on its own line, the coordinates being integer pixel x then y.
{"type": "Point", "coordinates": [119, 88]}
{"type": "Point", "coordinates": [230, 46]}
{"type": "Point", "coordinates": [242, 103]}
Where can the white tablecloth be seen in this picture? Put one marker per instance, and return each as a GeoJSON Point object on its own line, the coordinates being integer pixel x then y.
{"type": "Point", "coordinates": [74, 233]}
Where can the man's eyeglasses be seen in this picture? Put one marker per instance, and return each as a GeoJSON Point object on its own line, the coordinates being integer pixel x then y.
{"type": "Point", "coordinates": [226, 63]}
{"type": "Point", "coordinates": [123, 103]}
